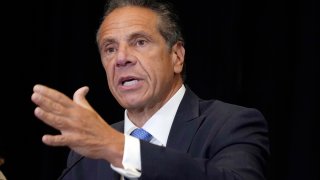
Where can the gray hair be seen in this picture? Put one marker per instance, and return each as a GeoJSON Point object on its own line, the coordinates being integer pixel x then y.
{"type": "Point", "coordinates": [169, 26]}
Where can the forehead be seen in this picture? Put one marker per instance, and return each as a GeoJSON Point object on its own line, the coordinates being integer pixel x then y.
{"type": "Point", "coordinates": [126, 20]}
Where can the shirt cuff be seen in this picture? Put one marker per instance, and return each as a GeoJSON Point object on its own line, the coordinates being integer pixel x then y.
{"type": "Point", "coordinates": [131, 158]}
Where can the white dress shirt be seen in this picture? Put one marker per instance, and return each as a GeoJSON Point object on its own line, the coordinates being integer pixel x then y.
{"type": "Point", "coordinates": [158, 126]}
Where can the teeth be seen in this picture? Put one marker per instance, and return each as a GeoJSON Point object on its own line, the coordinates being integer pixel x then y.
{"type": "Point", "coordinates": [129, 83]}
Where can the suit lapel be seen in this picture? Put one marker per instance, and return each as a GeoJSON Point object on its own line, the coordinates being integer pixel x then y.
{"type": "Point", "coordinates": [184, 127]}
{"type": "Point", "coordinates": [185, 123]}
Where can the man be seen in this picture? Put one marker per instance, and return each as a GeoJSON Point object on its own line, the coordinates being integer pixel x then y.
{"type": "Point", "coordinates": [142, 52]}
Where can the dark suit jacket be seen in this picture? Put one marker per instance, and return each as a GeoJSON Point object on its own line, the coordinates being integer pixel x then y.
{"type": "Point", "coordinates": [209, 139]}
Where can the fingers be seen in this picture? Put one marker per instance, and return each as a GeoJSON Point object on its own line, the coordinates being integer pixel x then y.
{"type": "Point", "coordinates": [46, 103]}
{"type": "Point", "coordinates": [75, 119]}
{"type": "Point", "coordinates": [50, 94]}
{"type": "Point", "coordinates": [54, 108]}
{"type": "Point", "coordinates": [55, 140]}
{"type": "Point", "coordinates": [79, 97]}
{"type": "Point", "coordinates": [55, 121]}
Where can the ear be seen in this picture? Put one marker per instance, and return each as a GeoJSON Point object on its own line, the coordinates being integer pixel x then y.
{"type": "Point", "coordinates": [178, 53]}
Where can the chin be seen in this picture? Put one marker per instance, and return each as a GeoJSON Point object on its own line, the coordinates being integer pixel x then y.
{"type": "Point", "coordinates": [133, 104]}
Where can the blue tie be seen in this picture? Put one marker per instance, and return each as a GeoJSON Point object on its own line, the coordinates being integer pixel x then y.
{"type": "Point", "coordinates": [141, 134]}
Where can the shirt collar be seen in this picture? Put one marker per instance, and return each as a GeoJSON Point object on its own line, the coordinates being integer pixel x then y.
{"type": "Point", "coordinates": [159, 124]}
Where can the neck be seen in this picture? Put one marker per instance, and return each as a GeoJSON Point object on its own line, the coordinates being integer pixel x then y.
{"type": "Point", "coordinates": [140, 116]}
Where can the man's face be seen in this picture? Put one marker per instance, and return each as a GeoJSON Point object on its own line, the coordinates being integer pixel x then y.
{"type": "Point", "coordinates": [142, 71]}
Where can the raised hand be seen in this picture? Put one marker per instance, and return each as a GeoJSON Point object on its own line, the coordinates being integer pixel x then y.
{"type": "Point", "coordinates": [82, 128]}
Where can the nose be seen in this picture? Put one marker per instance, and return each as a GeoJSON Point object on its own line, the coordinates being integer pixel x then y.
{"type": "Point", "coordinates": [124, 57]}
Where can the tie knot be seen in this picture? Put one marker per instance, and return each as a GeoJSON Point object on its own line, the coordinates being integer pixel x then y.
{"type": "Point", "coordinates": [141, 134]}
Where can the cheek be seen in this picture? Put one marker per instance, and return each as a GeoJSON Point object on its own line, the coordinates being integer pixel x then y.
{"type": "Point", "coordinates": [105, 64]}
{"type": "Point", "coordinates": [159, 72]}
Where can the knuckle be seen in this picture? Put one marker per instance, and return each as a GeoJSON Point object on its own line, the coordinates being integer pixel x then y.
{"type": "Point", "coordinates": [58, 122]}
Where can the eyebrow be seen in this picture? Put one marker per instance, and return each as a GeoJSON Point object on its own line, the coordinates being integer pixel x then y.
{"type": "Point", "coordinates": [134, 35]}
{"type": "Point", "coordinates": [139, 34]}
{"type": "Point", "coordinates": [107, 41]}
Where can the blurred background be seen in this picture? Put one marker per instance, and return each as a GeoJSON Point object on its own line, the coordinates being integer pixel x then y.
{"type": "Point", "coordinates": [261, 54]}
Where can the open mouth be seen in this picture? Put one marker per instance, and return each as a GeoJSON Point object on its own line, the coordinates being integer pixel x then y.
{"type": "Point", "coordinates": [128, 81]}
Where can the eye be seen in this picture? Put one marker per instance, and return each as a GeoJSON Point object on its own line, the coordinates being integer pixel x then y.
{"type": "Point", "coordinates": [109, 49]}
{"type": "Point", "coordinates": [141, 42]}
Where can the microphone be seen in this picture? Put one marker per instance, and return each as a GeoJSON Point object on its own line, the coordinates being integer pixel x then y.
{"type": "Point", "coordinates": [66, 171]}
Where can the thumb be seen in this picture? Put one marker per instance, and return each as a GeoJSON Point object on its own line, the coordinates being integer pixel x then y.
{"type": "Point", "coordinates": [79, 97]}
